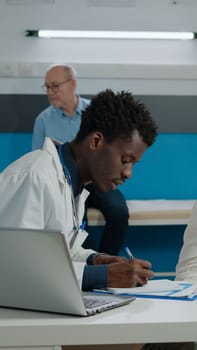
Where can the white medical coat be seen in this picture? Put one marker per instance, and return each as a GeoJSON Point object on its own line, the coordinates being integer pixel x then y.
{"type": "Point", "coordinates": [35, 194]}
{"type": "Point", "coordinates": [187, 265]}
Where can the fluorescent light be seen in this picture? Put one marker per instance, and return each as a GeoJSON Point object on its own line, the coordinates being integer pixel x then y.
{"type": "Point", "coordinates": [97, 34]}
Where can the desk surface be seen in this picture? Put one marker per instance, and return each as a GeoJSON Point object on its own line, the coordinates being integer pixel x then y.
{"type": "Point", "coordinates": [143, 320]}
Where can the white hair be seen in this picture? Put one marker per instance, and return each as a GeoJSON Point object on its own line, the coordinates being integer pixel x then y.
{"type": "Point", "coordinates": [70, 71]}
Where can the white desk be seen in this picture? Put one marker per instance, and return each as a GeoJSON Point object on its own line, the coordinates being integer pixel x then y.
{"type": "Point", "coordinates": [144, 320]}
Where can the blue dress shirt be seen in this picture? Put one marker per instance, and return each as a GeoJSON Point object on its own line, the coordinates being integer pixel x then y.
{"type": "Point", "coordinates": [54, 123]}
{"type": "Point", "coordinates": [94, 276]}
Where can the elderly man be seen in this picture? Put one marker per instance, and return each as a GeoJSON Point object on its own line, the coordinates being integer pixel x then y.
{"type": "Point", "coordinates": [61, 121]}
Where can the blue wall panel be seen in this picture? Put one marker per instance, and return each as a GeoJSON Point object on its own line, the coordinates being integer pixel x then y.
{"type": "Point", "coordinates": [13, 146]}
{"type": "Point", "coordinates": [168, 169]}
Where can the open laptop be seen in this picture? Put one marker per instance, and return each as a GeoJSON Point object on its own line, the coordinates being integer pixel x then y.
{"type": "Point", "coordinates": [36, 273]}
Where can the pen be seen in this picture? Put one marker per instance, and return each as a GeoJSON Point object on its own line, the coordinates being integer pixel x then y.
{"type": "Point", "coordinates": [129, 254]}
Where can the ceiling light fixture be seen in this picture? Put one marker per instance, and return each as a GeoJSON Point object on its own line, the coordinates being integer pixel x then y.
{"type": "Point", "coordinates": [100, 34]}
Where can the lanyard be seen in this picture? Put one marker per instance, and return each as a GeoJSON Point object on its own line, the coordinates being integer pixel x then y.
{"type": "Point", "coordinates": [68, 177]}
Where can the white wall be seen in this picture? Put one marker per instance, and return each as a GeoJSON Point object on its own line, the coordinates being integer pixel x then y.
{"type": "Point", "coordinates": [153, 67]}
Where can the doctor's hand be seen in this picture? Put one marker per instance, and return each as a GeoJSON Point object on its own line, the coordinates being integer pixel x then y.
{"type": "Point", "coordinates": [103, 259]}
{"type": "Point", "coordinates": [129, 273]}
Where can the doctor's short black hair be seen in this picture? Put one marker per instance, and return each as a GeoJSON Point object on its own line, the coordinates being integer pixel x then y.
{"type": "Point", "coordinates": [117, 115]}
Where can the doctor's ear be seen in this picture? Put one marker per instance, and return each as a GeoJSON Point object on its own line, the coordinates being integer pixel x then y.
{"type": "Point", "coordinates": [96, 140]}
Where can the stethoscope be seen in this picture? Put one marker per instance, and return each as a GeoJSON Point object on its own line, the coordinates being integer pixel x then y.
{"type": "Point", "coordinates": [76, 225]}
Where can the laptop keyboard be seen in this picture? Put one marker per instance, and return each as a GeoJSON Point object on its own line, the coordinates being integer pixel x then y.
{"type": "Point", "coordinates": [92, 302]}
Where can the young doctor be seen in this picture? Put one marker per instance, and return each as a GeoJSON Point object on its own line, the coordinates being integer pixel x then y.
{"type": "Point", "coordinates": [44, 189]}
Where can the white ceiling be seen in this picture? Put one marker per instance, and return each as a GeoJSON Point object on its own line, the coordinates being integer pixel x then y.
{"type": "Point", "coordinates": [152, 66]}
{"type": "Point", "coordinates": [103, 14]}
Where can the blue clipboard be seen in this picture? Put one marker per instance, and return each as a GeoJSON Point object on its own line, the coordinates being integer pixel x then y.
{"type": "Point", "coordinates": [170, 295]}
